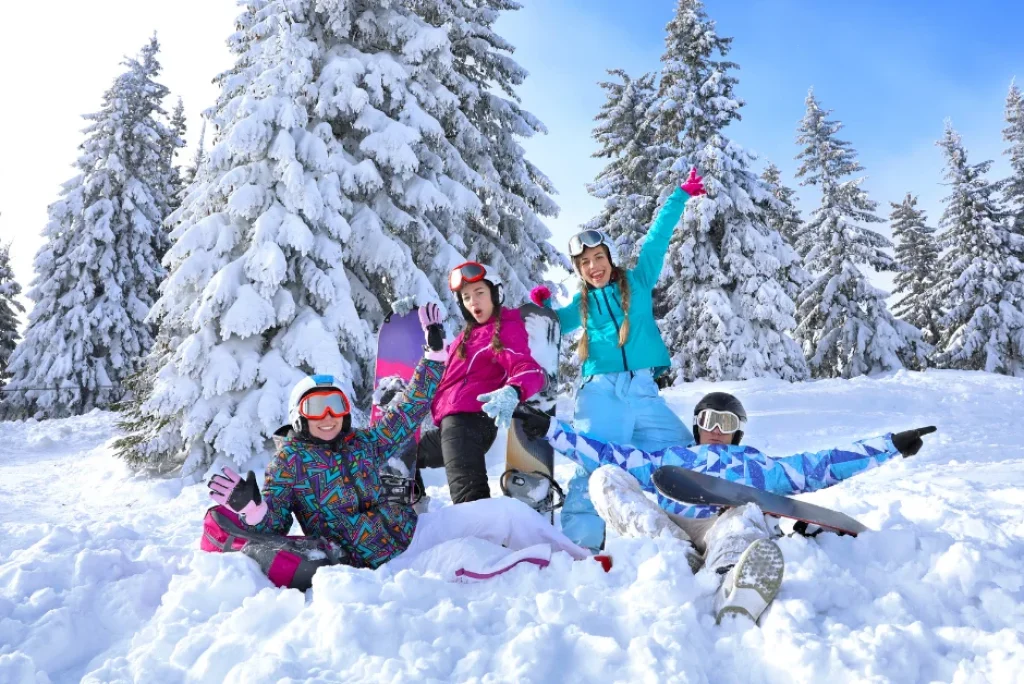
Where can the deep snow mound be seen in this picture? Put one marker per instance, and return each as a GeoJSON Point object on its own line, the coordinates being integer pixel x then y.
{"type": "Point", "coordinates": [100, 579]}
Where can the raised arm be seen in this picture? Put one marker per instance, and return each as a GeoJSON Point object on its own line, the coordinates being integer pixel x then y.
{"type": "Point", "coordinates": [652, 254]}
{"type": "Point", "coordinates": [399, 421]}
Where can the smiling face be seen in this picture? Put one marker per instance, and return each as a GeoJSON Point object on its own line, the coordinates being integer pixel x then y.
{"type": "Point", "coordinates": [476, 297]}
{"type": "Point", "coordinates": [327, 428]}
{"type": "Point", "coordinates": [715, 436]}
{"type": "Point", "coordinates": [595, 266]}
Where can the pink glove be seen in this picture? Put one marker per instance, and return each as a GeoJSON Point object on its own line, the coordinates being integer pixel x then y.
{"type": "Point", "coordinates": [540, 295]}
{"type": "Point", "coordinates": [241, 496]}
{"type": "Point", "coordinates": [694, 185]}
{"type": "Point", "coordinates": [430, 321]}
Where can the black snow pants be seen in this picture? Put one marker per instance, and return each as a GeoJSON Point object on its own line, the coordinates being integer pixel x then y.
{"type": "Point", "coordinates": [459, 446]}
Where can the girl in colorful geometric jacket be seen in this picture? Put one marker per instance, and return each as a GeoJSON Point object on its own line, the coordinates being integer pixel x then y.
{"type": "Point", "coordinates": [490, 370]}
{"type": "Point", "coordinates": [326, 474]}
{"type": "Point", "coordinates": [621, 351]}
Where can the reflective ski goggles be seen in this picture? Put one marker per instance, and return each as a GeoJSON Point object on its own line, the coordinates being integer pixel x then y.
{"type": "Point", "coordinates": [726, 421]}
{"type": "Point", "coordinates": [469, 272]}
{"type": "Point", "coordinates": [316, 405]}
{"type": "Point", "coordinates": [588, 238]}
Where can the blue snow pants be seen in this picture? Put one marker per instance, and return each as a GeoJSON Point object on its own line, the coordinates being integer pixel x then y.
{"type": "Point", "coordinates": [622, 408]}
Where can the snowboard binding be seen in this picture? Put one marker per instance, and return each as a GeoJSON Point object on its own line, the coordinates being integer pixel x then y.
{"type": "Point", "coordinates": [537, 490]}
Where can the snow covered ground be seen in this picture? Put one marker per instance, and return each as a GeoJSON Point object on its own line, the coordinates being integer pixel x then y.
{"type": "Point", "coordinates": [101, 579]}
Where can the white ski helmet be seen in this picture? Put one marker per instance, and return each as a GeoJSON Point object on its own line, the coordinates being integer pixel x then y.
{"type": "Point", "coordinates": [457, 278]}
{"type": "Point", "coordinates": [591, 238]}
{"type": "Point", "coordinates": [301, 389]}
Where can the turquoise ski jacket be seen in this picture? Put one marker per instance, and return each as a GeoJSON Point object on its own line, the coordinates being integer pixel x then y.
{"type": "Point", "coordinates": [644, 348]}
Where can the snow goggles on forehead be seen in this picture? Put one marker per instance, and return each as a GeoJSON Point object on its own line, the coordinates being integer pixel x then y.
{"type": "Point", "coordinates": [726, 421]}
{"type": "Point", "coordinates": [588, 238]}
{"type": "Point", "coordinates": [316, 405]}
{"type": "Point", "coordinates": [469, 272]}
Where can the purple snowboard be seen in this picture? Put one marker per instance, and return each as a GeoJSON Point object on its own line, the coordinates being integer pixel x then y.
{"type": "Point", "coordinates": [399, 349]}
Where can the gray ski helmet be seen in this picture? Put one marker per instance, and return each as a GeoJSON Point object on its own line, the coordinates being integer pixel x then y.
{"type": "Point", "coordinates": [720, 401]}
{"type": "Point", "coordinates": [308, 384]}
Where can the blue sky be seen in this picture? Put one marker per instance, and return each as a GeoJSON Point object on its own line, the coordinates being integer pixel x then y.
{"type": "Point", "coordinates": [892, 71]}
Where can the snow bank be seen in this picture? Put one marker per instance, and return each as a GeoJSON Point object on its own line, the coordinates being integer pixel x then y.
{"type": "Point", "coordinates": [100, 579]}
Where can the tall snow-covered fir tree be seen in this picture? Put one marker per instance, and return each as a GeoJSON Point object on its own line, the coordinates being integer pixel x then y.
{"type": "Point", "coordinates": [726, 304]}
{"type": "Point", "coordinates": [1013, 187]}
{"type": "Point", "coordinates": [98, 271]}
{"type": "Point", "coordinates": [188, 176]}
{"type": "Point", "coordinates": [343, 177]}
{"type": "Point", "coordinates": [981, 281]}
{"type": "Point", "coordinates": [625, 134]}
{"type": "Point", "coordinates": [917, 257]}
{"type": "Point", "coordinates": [845, 326]}
{"type": "Point", "coordinates": [10, 307]}
{"type": "Point", "coordinates": [483, 129]}
{"type": "Point", "coordinates": [783, 216]}
{"type": "Point", "coordinates": [176, 180]}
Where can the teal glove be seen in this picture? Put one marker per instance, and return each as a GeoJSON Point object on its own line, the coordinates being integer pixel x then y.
{"type": "Point", "coordinates": [500, 404]}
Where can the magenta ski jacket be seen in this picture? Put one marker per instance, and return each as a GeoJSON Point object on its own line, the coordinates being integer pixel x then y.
{"type": "Point", "coordinates": [484, 370]}
{"type": "Point", "coordinates": [334, 489]}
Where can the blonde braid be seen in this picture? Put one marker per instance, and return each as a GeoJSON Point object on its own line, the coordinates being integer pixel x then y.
{"type": "Point", "coordinates": [624, 288]}
{"type": "Point", "coordinates": [583, 348]}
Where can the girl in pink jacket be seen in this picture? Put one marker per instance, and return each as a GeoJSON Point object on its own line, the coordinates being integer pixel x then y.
{"type": "Point", "coordinates": [489, 372]}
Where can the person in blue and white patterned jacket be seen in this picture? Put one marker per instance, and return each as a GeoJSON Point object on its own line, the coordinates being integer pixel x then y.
{"type": "Point", "coordinates": [736, 544]}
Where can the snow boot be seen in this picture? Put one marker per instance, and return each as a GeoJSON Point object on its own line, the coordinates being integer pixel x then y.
{"type": "Point", "coordinates": [621, 503]}
{"type": "Point", "coordinates": [751, 584]}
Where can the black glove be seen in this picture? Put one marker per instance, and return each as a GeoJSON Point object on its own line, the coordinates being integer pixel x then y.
{"type": "Point", "coordinates": [435, 337]}
{"type": "Point", "coordinates": [909, 442]}
{"type": "Point", "coordinates": [535, 421]}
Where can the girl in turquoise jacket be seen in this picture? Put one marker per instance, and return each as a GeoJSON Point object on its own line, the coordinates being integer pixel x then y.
{"type": "Point", "coordinates": [621, 352]}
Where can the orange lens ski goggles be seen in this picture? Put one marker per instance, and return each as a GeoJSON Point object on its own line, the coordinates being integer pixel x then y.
{"type": "Point", "coordinates": [316, 405]}
{"type": "Point", "coordinates": [469, 272]}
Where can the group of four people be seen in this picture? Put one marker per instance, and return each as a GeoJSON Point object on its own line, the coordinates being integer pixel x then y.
{"type": "Point", "coordinates": [327, 474]}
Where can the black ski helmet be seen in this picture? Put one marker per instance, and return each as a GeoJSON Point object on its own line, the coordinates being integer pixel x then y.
{"type": "Point", "coordinates": [720, 401]}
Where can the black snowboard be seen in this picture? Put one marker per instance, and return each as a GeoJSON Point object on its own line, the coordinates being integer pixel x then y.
{"type": "Point", "coordinates": [690, 487]}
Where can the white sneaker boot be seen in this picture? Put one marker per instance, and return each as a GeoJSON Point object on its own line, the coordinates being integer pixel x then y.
{"type": "Point", "coordinates": [751, 584]}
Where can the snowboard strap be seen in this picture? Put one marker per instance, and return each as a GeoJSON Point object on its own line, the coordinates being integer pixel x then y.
{"type": "Point", "coordinates": [519, 485]}
{"type": "Point", "coordinates": [801, 527]}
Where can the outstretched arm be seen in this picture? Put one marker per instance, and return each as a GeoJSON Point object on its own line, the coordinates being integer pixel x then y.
{"type": "Point", "coordinates": [568, 315]}
{"type": "Point", "coordinates": [808, 472]}
{"type": "Point", "coordinates": [593, 453]}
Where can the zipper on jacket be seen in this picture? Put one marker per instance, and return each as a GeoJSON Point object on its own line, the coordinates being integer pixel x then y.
{"type": "Point", "coordinates": [604, 292]}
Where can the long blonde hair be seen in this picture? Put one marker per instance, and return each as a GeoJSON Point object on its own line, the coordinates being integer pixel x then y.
{"type": "Point", "coordinates": [619, 276]}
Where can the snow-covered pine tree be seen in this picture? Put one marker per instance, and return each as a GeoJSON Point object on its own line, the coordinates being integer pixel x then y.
{"type": "Point", "coordinates": [625, 134]}
{"type": "Point", "coordinates": [917, 256]}
{"type": "Point", "coordinates": [1013, 187]}
{"type": "Point", "coordinates": [98, 271]}
{"type": "Point", "coordinates": [981, 275]}
{"type": "Point", "coordinates": [784, 216]}
{"type": "Point", "coordinates": [483, 131]}
{"type": "Point", "coordinates": [333, 188]}
{"type": "Point", "coordinates": [188, 176]}
{"type": "Point", "coordinates": [175, 142]}
{"type": "Point", "coordinates": [726, 306]}
{"type": "Point", "coordinates": [845, 326]}
{"type": "Point", "coordinates": [10, 307]}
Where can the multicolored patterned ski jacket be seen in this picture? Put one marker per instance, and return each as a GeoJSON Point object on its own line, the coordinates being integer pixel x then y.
{"type": "Point", "coordinates": [805, 472]}
{"type": "Point", "coordinates": [334, 489]}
